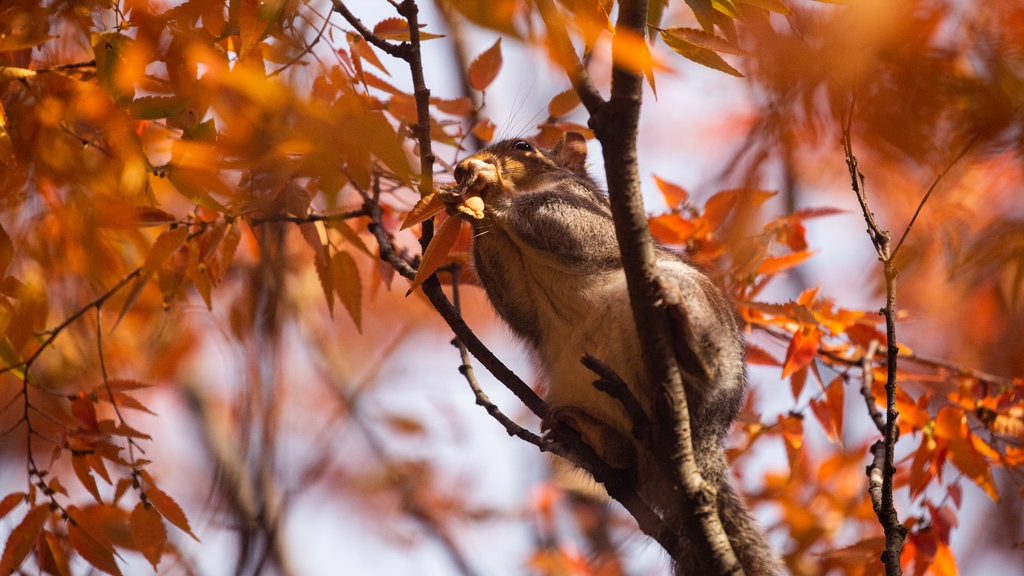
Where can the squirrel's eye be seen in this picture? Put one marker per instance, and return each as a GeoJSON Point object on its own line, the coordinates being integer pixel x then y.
{"type": "Point", "coordinates": [522, 145]}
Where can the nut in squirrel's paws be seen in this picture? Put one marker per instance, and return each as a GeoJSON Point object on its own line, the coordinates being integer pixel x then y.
{"type": "Point", "coordinates": [464, 202]}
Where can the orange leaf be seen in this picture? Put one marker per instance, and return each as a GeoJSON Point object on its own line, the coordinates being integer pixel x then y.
{"type": "Point", "coordinates": [163, 247]}
{"type": "Point", "coordinates": [456, 106]}
{"type": "Point", "coordinates": [675, 196]}
{"type": "Point", "coordinates": [54, 559]}
{"type": "Point", "coordinates": [437, 252]}
{"type": "Point", "coordinates": [348, 286]}
{"type": "Point", "coordinates": [760, 356]}
{"type": "Point", "coordinates": [718, 207]}
{"type": "Point", "coordinates": [427, 207]}
{"type": "Point", "coordinates": [148, 532]}
{"type": "Point", "coordinates": [22, 538]}
{"type": "Point", "coordinates": [321, 261]}
{"type": "Point", "coordinates": [829, 411]}
{"type": "Point", "coordinates": [484, 130]}
{"type": "Point", "coordinates": [563, 103]}
{"type": "Point", "coordinates": [93, 551]}
{"type": "Point", "coordinates": [485, 68]}
{"type": "Point", "coordinates": [168, 508]}
{"type": "Point", "coordinates": [776, 264]}
{"type": "Point", "coordinates": [10, 502]}
{"type": "Point", "coordinates": [951, 424]}
{"type": "Point", "coordinates": [802, 350]}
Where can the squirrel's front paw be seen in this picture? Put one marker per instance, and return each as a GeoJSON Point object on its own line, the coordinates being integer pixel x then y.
{"type": "Point", "coordinates": [467, 207]}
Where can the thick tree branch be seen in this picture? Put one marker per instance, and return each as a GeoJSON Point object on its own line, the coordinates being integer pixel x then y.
{"type": "Point", "coordinates": [616, 125]}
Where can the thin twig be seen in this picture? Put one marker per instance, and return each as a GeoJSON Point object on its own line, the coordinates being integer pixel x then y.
{"type": "Point", "coordinates": [867, 380]}
{"type": "Point", "coordinates": [612, 384]}
{"type": "Point", "coordinates": [895, 531]}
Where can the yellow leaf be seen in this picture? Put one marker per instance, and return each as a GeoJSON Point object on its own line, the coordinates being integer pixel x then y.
{"type": "Point", "coordinates": [485, 68]}
{"type": "Point", "coordinates": [15, 73]}
{"type": "Point", "coordinates": [444, 238]}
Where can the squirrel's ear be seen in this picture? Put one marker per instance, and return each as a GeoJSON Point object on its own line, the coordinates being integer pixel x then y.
{"type": "Point", "coordinates": [571, 151]}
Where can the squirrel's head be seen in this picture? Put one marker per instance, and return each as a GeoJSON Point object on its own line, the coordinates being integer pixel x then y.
{"type": "Point", "coordinates": [518, 165]}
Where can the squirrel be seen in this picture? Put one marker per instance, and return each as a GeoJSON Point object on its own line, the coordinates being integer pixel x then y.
{"type": "Point", "coordinates": [546, 254]}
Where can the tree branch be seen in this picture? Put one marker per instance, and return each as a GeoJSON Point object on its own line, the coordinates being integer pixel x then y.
{"type": "Point", "coordinates": [616, 125]}
{"type": "Point", "coordinates": [895, 532]}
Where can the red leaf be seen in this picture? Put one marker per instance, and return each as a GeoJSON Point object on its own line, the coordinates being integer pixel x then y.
{"type": "Point", "coordinates": [54, 558]}
{"type": "Point", "coordinates": [22, 538]}
{"type": "Point", "coordinates": [802, 350]}
{"type": "Point", "coordinates": [485, 68]}
{"type": "Point", "coordinates": [148, 532]}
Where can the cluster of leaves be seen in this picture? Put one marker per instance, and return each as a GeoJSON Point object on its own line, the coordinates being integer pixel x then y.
{"type": "Point", "coordinates": [153, 156]}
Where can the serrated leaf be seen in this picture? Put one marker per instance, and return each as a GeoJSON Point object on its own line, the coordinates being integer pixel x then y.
{"type": "Point", "coordinates": [398, 29]}
{"type": "Point", "coordinates": [10, 502]}
{"type": "Point", "coordinates": [92, 551]}
{"type": "Point", "coordinates": [168, 508]}
{"type": "Point", "coordinates": [802, 350]}
{"type": "Point", "coordinates": [776, 264]}
{"type": "Point", "coordinates": [150, 216]}
{"type": "Point", "coordinates": [351, 236]}
{"type": "Point", "coordinates": [348, 286]}
{"type": "Point", "coordinates": [55, 557]}
{"type": "Point", "coordinates": [563, 103]}
{"type": "Point", "coordinates": [697, 53]}
{"type": "Point", "coordinates": [148, 532]}
{"type": "Point", "coordinates": [321, 261]}
{"type": "Point", "coordinates": [424, 209]}
{"type": "Point", "coordinates": [84, 473]}
{"type": "Point", "coordinates": [163, 247]}
{"type": "Point", "coordinates": [437, 252]}
{"type": "Point", "coordinates": [456, 106]}
{"type": "Point", "coordinates": [484, 69]}
{"type": "Point", "coordinates": [250, 26]}
{"type": "Point", "coordinates": [23, 538]}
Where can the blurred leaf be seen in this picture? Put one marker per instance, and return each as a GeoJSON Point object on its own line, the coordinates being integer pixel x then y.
{"type": "Point", "coordinates": [6, 251]}
{"type": "Point", "coordinates": [698, 52]}
{"type": "Point", "coordinates": [563, 103]}
{"type": "Point", "coordinates": [81, 468]}
{"type": "Point", "coordinates": [321, 261]}
{"type": "Point", "coordinates": [167, 507]}
{"type": "Point", "coordinates": [165, 245]}
{"type": "Point", "coordinates": [99, 554]}
{"type": "Point", "coordinates": [148, 532]}
{"type": "Point", "coordinates": [251, 26]}
{"type": "Point", "coordinates": [156, 107]}
{"type": "Point", "coordinates": [773, 5]}
{"type": "Point", "coordinates": [10, 502]}
{"type": "Point", "coordinates": [484, 69]}
{"type": "Point", "coordinates": [23, 538]}
{"type": "Point", "coordinates": [398, 29]}
{"type": "Point", "coordinates": [776, 264]}
{"type": "Point", "coordinates": [675, 196]}
{"type": "Point", "coordinates": [54, 558]}
{"type": "Point", "coordinates": [348, 286]}
{"type": "Point", "coordinates": [484, 130]}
